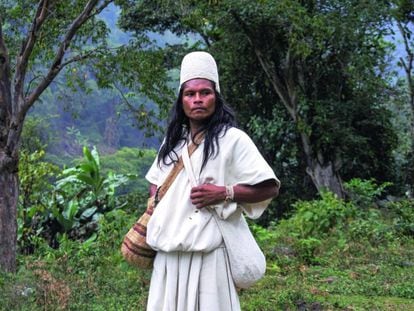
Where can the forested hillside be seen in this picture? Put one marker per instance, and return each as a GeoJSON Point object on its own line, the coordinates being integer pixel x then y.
{"type": "Point", "coordinates": [70, 119]}
{"type": "Point", "coordinates": [71, 115]}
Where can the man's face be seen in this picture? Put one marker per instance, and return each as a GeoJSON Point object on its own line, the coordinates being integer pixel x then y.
{"type": "Point", "coordinates": [199, 100]}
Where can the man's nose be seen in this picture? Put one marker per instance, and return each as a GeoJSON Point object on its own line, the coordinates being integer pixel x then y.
{"type": "Point", "coordinates": [197, 97]}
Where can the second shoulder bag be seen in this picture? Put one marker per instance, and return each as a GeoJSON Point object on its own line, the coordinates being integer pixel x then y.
{"type": "Point", "coordinates": [247, 261]}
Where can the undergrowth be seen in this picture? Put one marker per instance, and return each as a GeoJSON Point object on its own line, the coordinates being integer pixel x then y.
{"type": "Point", "coordinates": [329, 255]}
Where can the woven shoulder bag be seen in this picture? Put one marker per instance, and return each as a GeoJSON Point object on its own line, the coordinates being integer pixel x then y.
{"type": "Point", "coordinates": [134, 248]}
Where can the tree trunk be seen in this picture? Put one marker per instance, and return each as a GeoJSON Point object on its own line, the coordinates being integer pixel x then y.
{"type": "Point", "coordinates": [8, 168]}
{"type": "Point", "coordinates": [324, 177]}
{"type": "Point", "coordinates": [14, 107]}
{"type": "Point", "coordinates": [324, 174]}
{"type": "Point", "coordinates": [8, 213]}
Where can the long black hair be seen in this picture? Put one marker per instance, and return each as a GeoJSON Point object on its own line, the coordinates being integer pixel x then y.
{"type": "Point", "coordinates": [179, 125]}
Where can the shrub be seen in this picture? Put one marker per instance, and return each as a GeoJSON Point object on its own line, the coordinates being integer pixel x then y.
{"type": "Point", "coordinates": [83, 194]}
{"type": "Point", "coordinates": [35, 176]}
{"type": "Point", "coordinates": [72, 205]}
{"type": "Point", "coordinates": [371, 226]}
{"type": "Point", "coordinates": [378, 221]}
{"type": "Point", "coordinates": [318, 217]}
{"type": "Point", "coordinates": [402, 213]}
{"type": "Point", "coordinates": [364, 193]}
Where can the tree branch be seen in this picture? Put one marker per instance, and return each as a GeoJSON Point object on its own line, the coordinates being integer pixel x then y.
{"type": "Point", "coordinates": [408, 65]}
{"type": "Point", "coordinates": [20, 104]}
{"type": "Point", "coordinates": [78, 58]}
{"type": "Point", "coordinates": [284, 87]}
{"type": "Point", "coordinates": [35, 77]}
{"type": "Point", "coordinates": [277, 83]}
{"type": "Point", "coordinates": [58, 64]}
{"type": "Point", "coordinates": [25, 52]}
{"type": "Point", "coordinates": [100, 8]}
{"type": "Point", "coordinates": [125, 99]}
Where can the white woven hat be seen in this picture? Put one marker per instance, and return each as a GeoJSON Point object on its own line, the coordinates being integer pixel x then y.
{"type": "Point", "coordinates": [199, 65]}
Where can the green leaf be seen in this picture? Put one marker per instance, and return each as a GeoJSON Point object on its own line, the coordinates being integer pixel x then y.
{"type": "Point", "coordinates": [72, 209]}
{"type": "Point", "coordinates": [88, 213]}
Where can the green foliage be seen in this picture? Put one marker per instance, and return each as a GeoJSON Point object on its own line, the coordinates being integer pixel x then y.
{"type": "Point", "coordinates": [76, 135]}
{"type": "Point", "coordinates": [138, 61]}
{"type": "Point", "coordinates": [71, 201]}
{"type": "Point", "coordinates": [95, 117]}
{"type": "Point", "coordinates": [130, 160]}
{"type": "Point", "coordinates": [334, 271]}
{"type": "Point", "coordinates": [35, 186]}
{"type": "Point", "coordinates": [369, 224]}
{"type": "Point", "coordinates": [82, 195]}
{"type": "Point", "coordinates": [295, 71]}
{"type": "Point", "coordinates": [72, 205]}
{"type": "Point", "coordinates": [36, 134]}
{"type": "Point", "coordinates": [361, 219]}
{"type": "Point", "coordinates": [88, 96]}
{"type": "Point", "coordinates": [402, 213]}
{"type": "Point", "coordinates": [328, 254]}
{"type": "Point", "coordinates": [19, 15]}
{"type": "Point", "coordinates": [261, 234]}
{"type": "Point", "coordinates": [364, 193]}
{"type": "Point", "coordinates": [88, 275]}
{"type": "Point", "coordinates": [315, 221]}
{"type": "Point", "coordinates": [353, 262]}
{"type": "Point", "coordinates": [318, 218]}
{"type": "Point", "coordinates": [370, 227]}
{"type": "Point", "coordinates": [278, 143]}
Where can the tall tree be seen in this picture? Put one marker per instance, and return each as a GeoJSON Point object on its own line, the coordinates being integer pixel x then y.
{"type": "Point", "coordinates": [403, 14]}
{"type": "Point", "coordinates": [403, 19]}
{"type": "Point", "coordinates": [316, 67]}
{"type": "Point", "coordinates": [38, 39]}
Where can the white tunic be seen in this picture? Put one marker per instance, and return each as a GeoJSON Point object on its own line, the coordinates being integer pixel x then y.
{"type": "Point", "coordinates": [177, 228]}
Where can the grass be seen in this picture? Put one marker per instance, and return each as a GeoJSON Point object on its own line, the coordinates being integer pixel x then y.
{"type": "Point", "coordinates": [355, 276]}
{"type": "Point", "coordinates": [100, 280]}
{"type": "Point", "coordinates": [330, 271]}
{"type": "Point", "coordinates": [372, 285]}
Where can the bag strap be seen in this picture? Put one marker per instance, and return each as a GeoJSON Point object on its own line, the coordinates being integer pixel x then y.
{"type": "Point", "coordinates": [188, 166]}
{"type": "Point", "coordinates": [178, 166]}
{"type": "Point", "coordinates": [193, 181]}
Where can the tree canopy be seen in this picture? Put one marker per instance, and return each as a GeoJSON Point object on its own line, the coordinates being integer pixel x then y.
{"type": "Point", "coordinates": [40, 40]}
{"type": "Point", "coordinates": [309, 79]}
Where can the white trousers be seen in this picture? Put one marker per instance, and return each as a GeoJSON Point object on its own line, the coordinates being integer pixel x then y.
{"type": "Point", "coordinates": [192, 281]}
